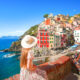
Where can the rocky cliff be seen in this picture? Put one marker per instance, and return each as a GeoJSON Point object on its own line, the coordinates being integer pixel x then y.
{"type": "Point", "coordinates": [16, 46]}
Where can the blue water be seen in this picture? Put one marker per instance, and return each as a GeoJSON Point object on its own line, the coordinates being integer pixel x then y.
{"type": "Point", "coordinates": [9, 66]}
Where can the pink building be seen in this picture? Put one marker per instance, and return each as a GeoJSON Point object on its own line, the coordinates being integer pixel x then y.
{"type": "Point", "coordinates": [63, 40]}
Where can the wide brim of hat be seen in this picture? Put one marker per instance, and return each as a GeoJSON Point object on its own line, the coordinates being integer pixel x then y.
{"type": "Point", "coordinates": [25, 45]}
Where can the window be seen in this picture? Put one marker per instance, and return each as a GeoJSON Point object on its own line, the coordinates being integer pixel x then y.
{"type": "Point", "coordinates": [44, 37]}
{"type": "Point", "coordinates": [44, 41]}
{"type": "Point", "coordinates": [41, 42]}
{"type": "Point", "coordinates": [47, 37]}
{"type": "Point", "coordinates": [77, 39]}
{"type": "Point", "coordinates": [47, 33]}
{"type": "Point", "coordinates": [41, 33]}
{"type": "Point", "coordinates": [44, 33]}
{"type": "Point", "coordinates": [51, 45]}
{"type": "Point", "coordinates": [77, 34]}
{"type": "Point", "coordinates": [47, 41]}
{"type": "Point", "coordinates": [45, 29]}
{"type": "Point", "coordinates": [41, 37]}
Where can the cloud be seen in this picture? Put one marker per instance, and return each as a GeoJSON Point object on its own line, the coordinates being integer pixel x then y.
{"type": "Point", "coordinates": [13, 33]}
{"type": "Point", "coordinates": [16, 33]}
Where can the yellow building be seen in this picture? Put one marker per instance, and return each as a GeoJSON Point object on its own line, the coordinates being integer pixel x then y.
{"type": "Point", "coordinates": [70, 21]}
{"type": "Point", "coordinates": [57, 41]}
{"type": "Point", "coordinates": [51, 40]}
{"type": "Point", "coordinates": [53, 22]}
{"type": "Point", "coordinates": [77, 16]}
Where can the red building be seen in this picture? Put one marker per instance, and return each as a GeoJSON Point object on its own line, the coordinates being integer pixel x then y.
{"type": "Point", "coordinates": [43, 38]}
{"type": "Point", "coordinates": [48, 21]}
{"type": "Point", "coordinates": [63, 40]}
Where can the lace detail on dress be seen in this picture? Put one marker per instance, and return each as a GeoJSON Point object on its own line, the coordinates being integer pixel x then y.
{"type": "Point", "coordinates": [38, 74]}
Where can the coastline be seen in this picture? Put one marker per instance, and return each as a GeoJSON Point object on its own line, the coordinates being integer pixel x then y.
{"type": "Point", "coordinates": [9, 50]}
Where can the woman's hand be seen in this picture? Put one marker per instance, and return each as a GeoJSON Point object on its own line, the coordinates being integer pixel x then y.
{"type": "Point", "coordinates": [33, 68]}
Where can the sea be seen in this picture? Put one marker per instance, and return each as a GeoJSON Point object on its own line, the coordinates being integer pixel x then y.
{"type": "Point", "coordinates": [9, 62]}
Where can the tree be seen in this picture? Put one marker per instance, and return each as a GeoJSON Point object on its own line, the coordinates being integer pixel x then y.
{"type": "Point", "coordinates": [45, 16]}
{"type": "Point", "coordinates": [78, 14]}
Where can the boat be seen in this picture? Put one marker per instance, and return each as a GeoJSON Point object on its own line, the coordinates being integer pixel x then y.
{"type": "Point", "coordinates": [8, 55]}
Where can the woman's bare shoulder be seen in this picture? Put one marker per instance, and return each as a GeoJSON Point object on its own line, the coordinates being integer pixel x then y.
{"type": "Point", "coordinates": [31, 51]}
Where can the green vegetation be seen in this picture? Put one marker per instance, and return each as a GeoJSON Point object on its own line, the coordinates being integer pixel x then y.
{"type": "Point", "coordinates": [32, 31]}
{"type": "Point", "coordinates": [45, 16]}
{"type": "Point", "coordinates": [16, 46]}
{"type": "Point", "coordinates": [78, 14]}
{"type": "Point", "coordinates": [46, 59]}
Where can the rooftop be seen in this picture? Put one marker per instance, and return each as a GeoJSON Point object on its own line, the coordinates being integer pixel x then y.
{"type": "Point", "coordinates": [77, 28]}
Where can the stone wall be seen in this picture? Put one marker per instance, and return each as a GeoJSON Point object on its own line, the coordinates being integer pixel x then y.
{"type": "Point", "coordinates": [55, 70]}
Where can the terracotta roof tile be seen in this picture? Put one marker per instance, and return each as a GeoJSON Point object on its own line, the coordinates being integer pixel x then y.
{"type": "Point", "coordinates": [77, 28]}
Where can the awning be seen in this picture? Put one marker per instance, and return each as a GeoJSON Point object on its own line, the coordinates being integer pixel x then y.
{"type": "Point", "coordinates": [74, 46]}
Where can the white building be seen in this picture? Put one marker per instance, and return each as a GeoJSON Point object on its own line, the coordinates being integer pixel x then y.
{"type": "Point", "coordinates": [77, 34]}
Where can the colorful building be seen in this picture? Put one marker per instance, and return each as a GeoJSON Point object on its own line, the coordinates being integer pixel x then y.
{"type": "Point", "coordinates": [48, 21]}
{"type": "Point", "coordinates": [63, 40]}
{"type": "Point", "coordinates": [51, 41]}
{"type": "Point", "coordinates": [57, 40]}
{"type": "Point", "coordinates": [77, 34]}
{"type": "Point", "coordinates": [43, 38]}
{"type": "Point", "coordinates": [51, 36]}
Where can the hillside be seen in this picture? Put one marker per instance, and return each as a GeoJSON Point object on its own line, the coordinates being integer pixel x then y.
{"type": "Point", "coordinates": [16, 46]}
{"type": "Point", "coordinates": [67, 21]}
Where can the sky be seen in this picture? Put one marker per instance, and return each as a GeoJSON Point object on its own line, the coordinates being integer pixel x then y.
{"type": "Point", "coordinates": [17, 16]}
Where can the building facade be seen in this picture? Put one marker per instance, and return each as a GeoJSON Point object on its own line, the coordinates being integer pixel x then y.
{"type": "Point", "coordinates": [51, 41]}
{"type": "Point", "coordinates": [43, 38]}
{"type": "Point", "coordinates": [77, 34]}
{"type": "Point", "coordinates": [51, 36]}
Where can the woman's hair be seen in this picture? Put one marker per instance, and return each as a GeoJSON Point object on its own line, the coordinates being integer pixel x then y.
{"type": "Point", "coordinates": [23, 58]}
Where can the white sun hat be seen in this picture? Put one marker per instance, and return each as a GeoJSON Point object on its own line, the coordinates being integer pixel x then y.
{"type": "Point", "coordinates": [28, 41]}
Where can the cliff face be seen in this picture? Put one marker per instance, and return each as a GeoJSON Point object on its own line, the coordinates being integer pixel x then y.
{"type": "Point", "coordinates": [16, 46]}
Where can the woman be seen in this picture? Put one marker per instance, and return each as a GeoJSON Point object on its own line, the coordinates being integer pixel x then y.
{"type": "Point", "coordinates": [28, 70]}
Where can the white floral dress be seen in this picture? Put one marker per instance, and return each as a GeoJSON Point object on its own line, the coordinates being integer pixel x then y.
{"type": "Point", "coordinates": [38, 74]}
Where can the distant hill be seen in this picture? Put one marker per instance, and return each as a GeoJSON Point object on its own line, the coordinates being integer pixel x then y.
{"type": "Point", "coordinates": [9, 37]}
